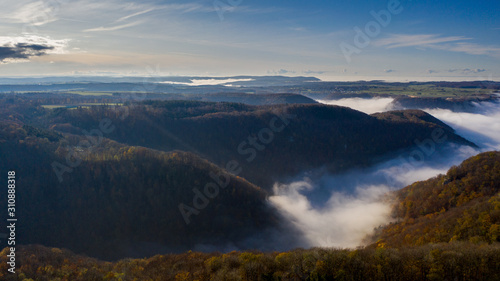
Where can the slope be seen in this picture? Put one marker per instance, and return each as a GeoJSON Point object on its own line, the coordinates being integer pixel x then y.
{"type": "Point", "coordinates": [269, 142]}
{"type": "Point", "coordinates": [116, 201]}
{"type": "Point", "coordinates": [463, 205]}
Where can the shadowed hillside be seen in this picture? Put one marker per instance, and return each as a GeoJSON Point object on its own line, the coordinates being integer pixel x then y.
{"type": "Point", "coordinates": [269, 142]}
{"type": "Point", "coordinates": [121, 201]}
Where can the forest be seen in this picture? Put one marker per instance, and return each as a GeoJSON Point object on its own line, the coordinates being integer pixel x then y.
{"type": "Point", "coordinates": [222, 132]}
{"type": "Point", "coordinates": [457, 212]}
{"type": "Point", "coordinates": [463, 204]}
{"type": "Point", "coordinates": [175, 181]}
{"type": "Point", "coordinates": [443, 261]}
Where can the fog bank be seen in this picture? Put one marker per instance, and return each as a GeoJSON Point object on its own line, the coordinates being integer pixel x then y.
{"type": "Point", "coordinates": [368, 106]}
{"type": "Point", "coordinates": [340, 210]}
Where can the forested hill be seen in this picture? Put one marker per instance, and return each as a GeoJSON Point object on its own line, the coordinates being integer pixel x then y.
{"type": "Point", "coordinates": [454, 261]}
{"type": "Point", "coordinates": [118, 201]}
{"type": "Point", "coordinates": [269, 142]}
{"type": "Point", "coordinates": [114, 182]}
{"type": "Point", "coordinates": [462, 205]}
{"type": "Point", "coordinates": [255, 99]}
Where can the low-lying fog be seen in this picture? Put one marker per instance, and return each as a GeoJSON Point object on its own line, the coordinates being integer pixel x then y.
{"type": "Point", "coordinates": [340, 210]}
{"type": "Point", "coordinates": [367, 106]}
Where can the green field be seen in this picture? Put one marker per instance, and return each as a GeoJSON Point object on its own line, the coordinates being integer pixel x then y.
{"type": "Point", "coordinates": [424, 91]}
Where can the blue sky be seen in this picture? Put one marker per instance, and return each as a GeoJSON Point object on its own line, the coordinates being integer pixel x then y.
{"type": "Point", "coordinates": [422, 40]}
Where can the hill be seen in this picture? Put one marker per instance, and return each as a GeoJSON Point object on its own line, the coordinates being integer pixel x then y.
{"type": "Point", "coordinates": [462, 104]}
{"type": "Point", "coordinates": [269, 142]}
{"type": "Point", "coordinates": [255, 99]}
{"type": "Point", "coordinates": [462, 205]}
{"type": "Point", "coordinates": [168, 176]}
{"type": "Point", "coordinates": [117, 201]}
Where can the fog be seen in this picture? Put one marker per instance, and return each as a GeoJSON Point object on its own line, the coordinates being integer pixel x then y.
{"type": "Point", "coordinates": [343, 222]}
{"type": "Point", "coordinates": [341, 210]}
{"type": "Point", "coordinates": [208, 82]}
{"type": "Point", "coordinates": [367, 106]}
{"type": "Point", "coordinates": [482, 128]}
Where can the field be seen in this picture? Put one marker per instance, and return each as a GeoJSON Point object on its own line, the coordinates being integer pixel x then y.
{"type": "Point", "coordinates": [424, 91]}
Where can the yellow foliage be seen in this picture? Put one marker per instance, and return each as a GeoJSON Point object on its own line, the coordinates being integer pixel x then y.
{"type": "Point", "coordinates": [494, 232]}
{"type": "Point", "coordinates": [182, 276]}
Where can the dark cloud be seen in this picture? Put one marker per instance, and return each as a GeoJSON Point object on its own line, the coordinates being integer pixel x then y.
{"type": "Point", "coordinates": [23, 51]}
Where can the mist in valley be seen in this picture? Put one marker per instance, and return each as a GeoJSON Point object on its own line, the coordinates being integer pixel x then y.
{"type": "Point", "coordinates": [341, 210]}
{"type": "Point", "coordinates": [367, 106]}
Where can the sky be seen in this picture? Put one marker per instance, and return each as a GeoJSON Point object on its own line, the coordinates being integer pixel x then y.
{"type": "Point", "coordinates": [333, 40]}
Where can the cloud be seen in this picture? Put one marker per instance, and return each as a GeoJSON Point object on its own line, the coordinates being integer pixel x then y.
{"type": "Point", "coordinates": [344, 220]}
{"type": "Point", "coordinates": [113, 28]}
{"type": "Point", "coordinates": [19, 49]}
{"type": "Point", "coordinates": [281, 72]}
{"type": "Point", "coordinates": [367, 106]}
{"type": "Point", "coordinates": [268, 10]}
{"type": "Point", "coordinates": [37, 13]}
{"type": "Point", "coordinates": [437, 42]}
{"type": "Point", "coordinates": [483, 127]}
{"type": "Point", "coordinates": [205, 82]}
{"type": "Point", "coordinates": [22, 51]}
{"type": "Point", "coordinates": [141, 10]}
{"type": "Point", "coordinates": [463, 71]}
{"type": "Point", "coordinates": [340, 210]}
{"type": "Point", "coordinates": [423, 40]}
{"type": "Point", "coordinates": [466, 70]}
{"type": "Point", "coordinates": [314, 72]}
{"type": "Point", "coordinates": [134, 15]}
{"type": "Point", "coordinates": [472, 49]}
